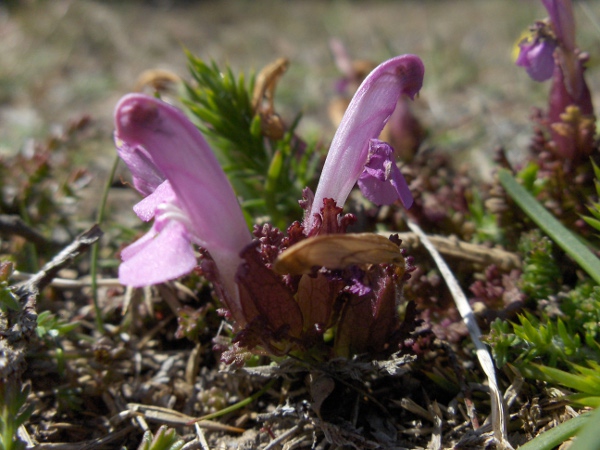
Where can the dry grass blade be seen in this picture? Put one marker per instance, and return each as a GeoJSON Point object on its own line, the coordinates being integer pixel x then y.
{"type": "Point", "coordinates": [413, 407]}
{"type": "Point", "coordinates": [93, 444]}
{"type": "Point", "coordinates": [465, 251]}
{"type": "Point", "coordinates": [483, 355]}
{"type": "Point", "coordinates": [436, 436]}
{"type": "Point", "coordinates": [283, 437]}
{"type": "Point", "coordinates": [65, 283]}
{"type": "Point", "coordinates": [166, 416]}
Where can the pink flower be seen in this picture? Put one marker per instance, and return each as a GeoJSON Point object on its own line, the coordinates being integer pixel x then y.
{"type": "Point", "coordinates": [370, 108]}
{"type": "Point", "coordinates": [195, 204]}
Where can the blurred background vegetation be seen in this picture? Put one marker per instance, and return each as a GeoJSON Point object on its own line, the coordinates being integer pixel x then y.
{"type": "Point", "coordinates": [63, 58]}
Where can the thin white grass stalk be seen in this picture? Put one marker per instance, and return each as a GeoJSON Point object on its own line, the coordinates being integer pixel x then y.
{"type": "Point", "coordinates": [67, 283]}
{"type": "Point", "coordinates": [483, 355]}
{"type": "Point", "coordinates": [201, 438]}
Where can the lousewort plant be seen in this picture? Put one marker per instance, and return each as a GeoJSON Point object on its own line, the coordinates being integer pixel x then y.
{"type": "Point", "coordinates": [322, 280]}
{"type": "Point", "coordinates": [548, 52]}
{"type": "Point", "coordinates": [559, 170]}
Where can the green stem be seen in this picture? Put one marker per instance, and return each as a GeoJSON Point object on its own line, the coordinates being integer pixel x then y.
{"type": "Point", "coordinates": [95, 247]}
{"type": "Point", "coordinates": [237, 405]}
{"type": "Point", "coordinates": [31, 255]}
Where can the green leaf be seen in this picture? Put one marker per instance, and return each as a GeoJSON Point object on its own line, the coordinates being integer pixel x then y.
{"type": "Point", "coordinates": [442, 381]}
{"type": "Point", "coordinates": [557, 232]}
{"type": "Point", "coordinates": [557, 435]}
{"type": "Point", "coordinates": [13, 413]}
{"type": "Point", "coordinates": [594, 223]}
{"type": "Point", "coordinates": [164, 439]}
{"type": "Point", "coordinates": [8, 299]}
{"type": "Point", "coordinates": [578, 382]}
{"type": "Point", "coordinates": [267, 174]}
{"type": "Point", "coordinates": [273, 175]}
{"type": "Point", "coordinates": [592, 401]}
{"type": "Point", "coordinates": [529, 177]}
{"type": "Point", "coordinates": [48, 325]}
{"type": "Point", "coordinates": [588, 436]}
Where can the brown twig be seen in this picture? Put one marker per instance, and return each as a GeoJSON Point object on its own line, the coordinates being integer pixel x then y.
{"type": "Point", "coordinates": [17, 328]}
{"type": "Point", "coordinates": [13, 225]}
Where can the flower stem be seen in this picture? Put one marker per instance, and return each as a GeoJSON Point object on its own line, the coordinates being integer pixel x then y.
{"type": "Point", "coordinates": [95, 247]}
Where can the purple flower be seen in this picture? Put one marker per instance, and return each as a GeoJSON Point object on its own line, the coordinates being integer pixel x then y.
{"type": "Point", "coordinates": [382, 182]}
{"type": "Point", "coordinates": [553, 42]}
{"type": "Point", "coordinates": [370, 108]}
{"type": "Point", "coordinates": [537, 57]}
{"type": "Point", "coordinates": [195, 204]}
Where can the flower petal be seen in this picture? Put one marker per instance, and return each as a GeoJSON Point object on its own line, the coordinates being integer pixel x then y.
{"type": "Point", "coordinates": [145, 174]}
{"type": "Point", "coordinates": [158, 256]}
{"type": "Point", "coordinates": [146, 208]}
{"type": "Point", "coordinates": [538, 59]}
{"type": "Point", "coordinates": [382, 182]}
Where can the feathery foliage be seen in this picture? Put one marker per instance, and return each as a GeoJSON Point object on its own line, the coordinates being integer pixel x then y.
{"type": "Point", "coordinates": [267, 172]}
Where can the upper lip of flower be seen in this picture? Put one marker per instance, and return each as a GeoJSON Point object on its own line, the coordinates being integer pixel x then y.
{"type": "Point", "coordinates": [184, 157]}
{"type": "Point", "coordinates": [177, 151]}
